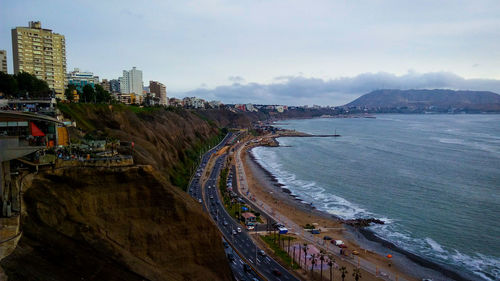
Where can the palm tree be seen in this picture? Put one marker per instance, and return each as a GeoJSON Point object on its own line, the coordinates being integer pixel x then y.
{"type": "Point", "coordinates": [305, 255]}
{"type": "Point", "coordinates": [356, 274]}
{"type": "Point", "coordinates": [322, 259]}
{"type": "Point", "coordinates": [300, 254]}
{"type": "Point", "coordinates": [313, 261]}
{"type": "Point", "coordinates": [343, 270]}
{"type": "Point", "coordinates": [331, 262]}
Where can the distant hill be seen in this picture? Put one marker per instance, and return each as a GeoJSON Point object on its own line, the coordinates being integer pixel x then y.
{"type": "Point", "coordinates": [429, 100]}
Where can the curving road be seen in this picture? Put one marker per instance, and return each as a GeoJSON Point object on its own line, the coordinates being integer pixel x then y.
{"type": "Point", "coordinates": [241, 246]}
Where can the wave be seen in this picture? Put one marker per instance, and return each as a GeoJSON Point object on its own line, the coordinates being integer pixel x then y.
{"type": "Point", "coordinates": [485, 267]}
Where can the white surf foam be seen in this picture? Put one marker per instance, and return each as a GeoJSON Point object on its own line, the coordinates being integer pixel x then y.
{"type": "Point", "coordinates": [487, 268]}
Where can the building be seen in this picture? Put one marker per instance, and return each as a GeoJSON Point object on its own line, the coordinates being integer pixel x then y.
{"type": "Point", "coordinates": [3, 61]}
{"type": "Point", "coordinates": [249, 217]}
{"type": "Point", "coordinates": [82, 78]}
{"type": "Point", "coordinates": [105, 85]}
{"type": "Point", "coordinates": [193, 102]}
{"type": "Point", "coordinates": [42, 53]}
{"type": "Point", "coordinates": [131, 82]}
{"type": "Point", "coordinates": [159, 90]}
{"type": "Point", "coordinates": [114, 86]}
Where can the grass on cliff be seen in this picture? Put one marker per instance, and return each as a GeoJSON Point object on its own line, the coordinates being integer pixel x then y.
{"type": "Point", "coordinates": [189, 157]}
{"type": "Point", "coordinates": [182, 172]}
{"type": "Point", "coordinates": [282, 254]}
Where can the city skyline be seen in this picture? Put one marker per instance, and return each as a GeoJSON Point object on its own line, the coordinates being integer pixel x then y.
{"type": "Point", "coordinates": [270, 52]}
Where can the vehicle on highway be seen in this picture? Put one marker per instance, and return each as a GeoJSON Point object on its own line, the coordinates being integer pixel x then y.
{"type": "Point", "coordinates": [262, 253]}
{"type": "Point", "coordinates": [247, 268]}
{"type": "Point", "coordinates": [239, 229]}
{"type": "Point", "coordinates": [225, 244]}
{"type": "Point", "coordinates": [211, 197]}
{"type": "Point", "coordinates": [225, 223]}
{"type": "Point", "coordinates": [276, 272]}
{"type": "Point", "coordinates": [199, 201]}
{"type": "Point", "coordinates": [234, 232]}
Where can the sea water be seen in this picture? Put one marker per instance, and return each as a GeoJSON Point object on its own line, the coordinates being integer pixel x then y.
{"type": "Point", "coordinates": [435, 180]}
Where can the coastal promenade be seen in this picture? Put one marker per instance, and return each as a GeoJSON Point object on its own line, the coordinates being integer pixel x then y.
{"type": "Point", "coordinates": [298, 230]}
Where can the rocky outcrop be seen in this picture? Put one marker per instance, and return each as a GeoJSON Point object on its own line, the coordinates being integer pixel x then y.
{"type": "Point", "coordinates": [113, 224]}
{"type": "Point", "coordinates": [363, 222]}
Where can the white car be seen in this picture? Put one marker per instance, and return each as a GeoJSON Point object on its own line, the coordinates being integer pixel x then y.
{"type": "Point", "coordinates": [239, 229]}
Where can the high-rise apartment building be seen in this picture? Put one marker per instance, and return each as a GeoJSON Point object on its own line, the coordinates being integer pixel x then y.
{"type": "Point", "coordinates": [82, 78]}
{"type": "Point", "coordinates": [3, 61]}
{"type": "Point", "coordinates": [105, 85]}
{"type": "Point", "coordinates": [42, 53]}
{"type": "Point", "coordinates": [159, 90]}
{"type": "Point", "coordinates": [114, 86]}
{"type": "Point", "coordinates": [131, 82]}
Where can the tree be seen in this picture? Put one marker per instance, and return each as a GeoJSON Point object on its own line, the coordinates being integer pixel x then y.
{"type": "Point", "coordinates": [356, 274]}
{"type": "Point", "coordinates": [331, 262]}
{"type": "Point", "coordinates": [8, 84]}
{"type": "Point", "coordinates": [88, 94]}
{"type": "Point", "coordinates": [305, 255]}
{"type": "Point", "coordinates": [322, 259]}
{"type": "Point", "coordinates": [313, 262]}
{"type": "Point", "coordinates": [343, 270]}
{"type": "Point", "coordinates": [30, 86]}
{"type": "Point", "coordinates": [102, 96]}
{"type": "Point", "coordinates": [69, 92]}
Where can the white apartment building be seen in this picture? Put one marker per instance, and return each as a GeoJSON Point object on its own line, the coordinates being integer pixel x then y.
{"type": "Point", "coordinates": [131, 82]}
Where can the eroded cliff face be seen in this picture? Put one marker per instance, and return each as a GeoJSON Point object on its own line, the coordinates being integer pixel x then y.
{"type": "Point", "coordinates": [113, 224]}
{"type": "Point", "coordinates": [131, 223]}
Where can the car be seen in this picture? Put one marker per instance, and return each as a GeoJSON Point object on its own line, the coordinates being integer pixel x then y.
{"type": "Point", "coordinates": [211, 197]}
{"type": "Point", "coordinates": [239, 229]}
{"type": "Point", "coordinates": [247, 268]}
{"type": "Point", "coordinates": [199, 201]}
{"type": "Point", "coordinates": [225, 244]}
{"type": "Point", "coordinates": [276, 272]}
{"type": "Point", "coordinates": [262, 253]}
{"type": "Point", "coordinates": [234, 232]}
{"type": "Point", "coordinates": [327, 238]}
{"type": "Point", "coordinates": [225, 223]}
{"type": "Point", "coordinates": [230, 257]}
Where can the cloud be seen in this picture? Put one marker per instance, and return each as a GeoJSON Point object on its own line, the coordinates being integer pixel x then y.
{"type": "Point", "coordinates": [236, 79]}
{"type": "Point", "coordinates": [298, 90]}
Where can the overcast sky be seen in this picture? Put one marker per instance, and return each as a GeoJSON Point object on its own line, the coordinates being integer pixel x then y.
{"type": "Point", "coordinates": [294, 52]}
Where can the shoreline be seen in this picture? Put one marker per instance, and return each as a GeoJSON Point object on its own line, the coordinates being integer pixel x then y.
{"type": "Point", "coordinates": [408, 260]}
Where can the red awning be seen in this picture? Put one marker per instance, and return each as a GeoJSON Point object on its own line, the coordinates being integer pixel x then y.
{"type": "Point", "coordinates": [35, 131]}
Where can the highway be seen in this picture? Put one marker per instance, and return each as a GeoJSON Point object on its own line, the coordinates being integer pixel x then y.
{"type": "Point", "coordinates": [240, 240]}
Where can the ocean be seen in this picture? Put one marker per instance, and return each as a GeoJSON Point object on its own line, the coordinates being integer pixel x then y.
{"type": "Point", "coordinates": [434, 180]}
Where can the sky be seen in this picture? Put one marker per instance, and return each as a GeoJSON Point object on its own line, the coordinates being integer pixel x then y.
{"type": "Point", "coordinates": [276, 52]}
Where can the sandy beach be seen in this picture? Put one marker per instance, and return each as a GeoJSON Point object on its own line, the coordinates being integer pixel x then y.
{"type": "Point", "coordinates": [264, 186]}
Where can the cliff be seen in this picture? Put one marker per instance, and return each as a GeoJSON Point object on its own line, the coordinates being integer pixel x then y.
{"type": "Point", "coordinates": [128, 223]}
{"type": "Point", "coordinates": [113, 224]}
